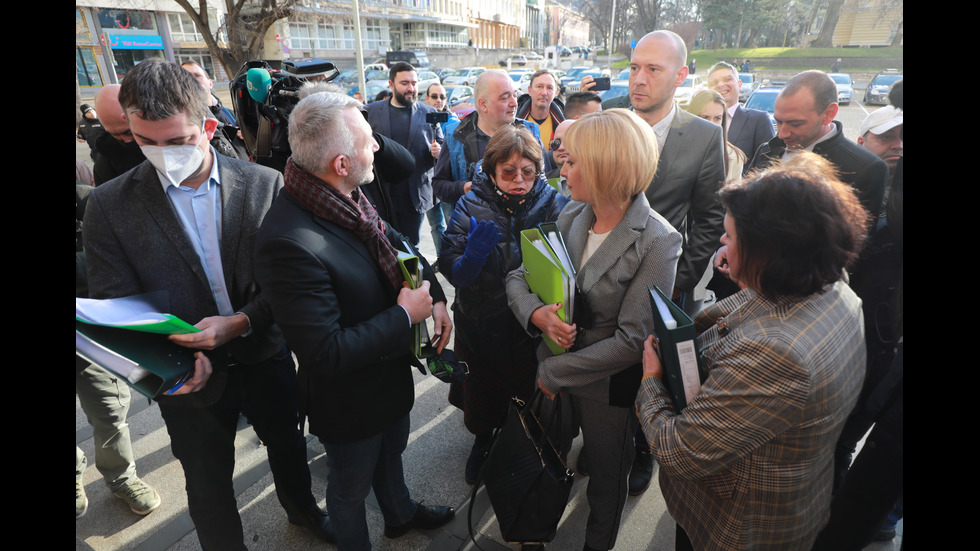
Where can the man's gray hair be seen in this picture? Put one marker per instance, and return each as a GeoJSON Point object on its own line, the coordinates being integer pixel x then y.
{"type": "Point", "coordinates": [318, 132]}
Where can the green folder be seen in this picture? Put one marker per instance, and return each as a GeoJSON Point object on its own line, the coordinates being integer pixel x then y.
{"type": "Point", "coordinates": [141, 313]}
{"type": "Point", "coordinates": [146, 361]}
{"type": "Point", "coordinates": [547, 278]}
{"type": "Point", "coordinates": [679, 353]}
{"type": "Point", "coordinates": [555, 183]}
{"type": "Point", "coordinates": [412, 272]}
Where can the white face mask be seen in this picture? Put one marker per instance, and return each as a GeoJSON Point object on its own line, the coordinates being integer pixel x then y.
{"type": "Point", "coordinates": [175, 162]}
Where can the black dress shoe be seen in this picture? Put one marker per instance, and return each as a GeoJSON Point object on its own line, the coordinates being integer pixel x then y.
{"type": "Point", "coordinates": [426, 518]}
{"type": "Point", "coordinates": [315, 520]}
{"type": "Point", "coordinates": [641, 473]}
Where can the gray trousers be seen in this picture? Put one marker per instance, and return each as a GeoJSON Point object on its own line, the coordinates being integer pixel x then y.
{"type": "Point", "coordinates": [607, 445]}
{"type": "Point", "coordinates": [105, 400]}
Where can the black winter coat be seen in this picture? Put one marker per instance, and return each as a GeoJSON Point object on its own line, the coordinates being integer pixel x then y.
{"type": "Point", "coordinates": [482, 316]}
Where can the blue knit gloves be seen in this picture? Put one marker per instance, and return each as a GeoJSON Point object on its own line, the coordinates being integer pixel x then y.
{"type": "Point", "coordinates": [482, 239]}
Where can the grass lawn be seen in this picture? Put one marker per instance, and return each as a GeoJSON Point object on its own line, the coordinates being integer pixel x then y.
{"type": "Point", "coordinates": [707, 58]}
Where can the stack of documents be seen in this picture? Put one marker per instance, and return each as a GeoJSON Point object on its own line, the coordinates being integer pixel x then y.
{"type": "Point", "coordinates": [549, 272]}
{"type": "Point", "coordinates": [127, 337]}
{"type": "Point", "coordinates": [679, 352]}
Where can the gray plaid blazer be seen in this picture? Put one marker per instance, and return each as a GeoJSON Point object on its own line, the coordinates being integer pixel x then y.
{"type": "Point", "coordinates": [749, 462]}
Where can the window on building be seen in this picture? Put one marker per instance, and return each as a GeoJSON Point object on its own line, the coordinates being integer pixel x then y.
{"type": "Point", "coordinates": [87, 68]}
{"type": "Point", "coordinates": [126, 19]}
{"type": "Point", "coordinates": [183, 29]}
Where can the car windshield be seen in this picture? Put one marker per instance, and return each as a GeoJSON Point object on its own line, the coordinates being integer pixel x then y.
{"type": "Point", "coordinates": [841, 79]}
{"type": "Point", "coordinates": [575, 72]}
{"type": "Point", "coordinates": [688, 82]}
{"type": "Point", "coordinates": [887, 80]}
{"type": "Point", "coordinates": [763, 101]}
{"type": "Point", "coordinates": [516, 77]}
{"type": "Point", "coordinates": [745, 78]}
{"type": "Point", "coordinates": [616, 90]}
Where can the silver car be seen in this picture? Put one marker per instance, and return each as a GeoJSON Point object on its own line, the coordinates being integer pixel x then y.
{"type": "Point", "coordinates": [845, 87]}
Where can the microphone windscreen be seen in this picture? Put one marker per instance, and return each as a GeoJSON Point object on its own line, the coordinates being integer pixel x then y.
{"type": "Point", "coordinates": [258, 82]}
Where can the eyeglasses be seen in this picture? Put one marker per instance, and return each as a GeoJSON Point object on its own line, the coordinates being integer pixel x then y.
{"type": "Point", "coordinates": [555, 144]}
{"type": "Point", "coordinates": [437, 96]}
{"type": "Point", "coordinates": [527, 174]}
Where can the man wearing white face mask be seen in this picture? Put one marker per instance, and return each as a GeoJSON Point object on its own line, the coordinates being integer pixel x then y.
{"type": "Point", "coordinates": [184, 221]}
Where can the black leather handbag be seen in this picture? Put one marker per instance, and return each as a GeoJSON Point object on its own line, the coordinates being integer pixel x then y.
{"type": "Point", "coordinates": [525, 474]}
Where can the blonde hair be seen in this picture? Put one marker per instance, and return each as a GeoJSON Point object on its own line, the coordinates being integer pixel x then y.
{"type": "Point", "coordinates": [616, 151]}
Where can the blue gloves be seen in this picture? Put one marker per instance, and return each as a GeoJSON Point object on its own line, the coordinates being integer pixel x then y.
{"type": "Point", "coordinates": [482, 239]}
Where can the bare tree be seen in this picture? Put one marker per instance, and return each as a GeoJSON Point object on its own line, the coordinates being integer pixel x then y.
{"type": "Point", "coordinates": [246, 24]}
{"type": "Point", "coordinates": [826, 37]}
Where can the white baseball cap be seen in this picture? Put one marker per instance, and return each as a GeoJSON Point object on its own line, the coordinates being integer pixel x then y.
{"type": "Point", "coordinates": [882, 120]}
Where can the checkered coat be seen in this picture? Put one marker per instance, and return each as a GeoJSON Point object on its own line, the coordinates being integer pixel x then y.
{"type": "Point", "coordinates": [748, 464]}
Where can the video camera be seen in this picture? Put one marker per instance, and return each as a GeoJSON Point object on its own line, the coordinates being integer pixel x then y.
{"type": "Point", "coordinates": [264, 97]}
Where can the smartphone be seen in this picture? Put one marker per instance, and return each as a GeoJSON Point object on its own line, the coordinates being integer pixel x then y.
{"type": "Point", "coordinates": [601, 83]}
{"type": "Point", "coordinates": [437, 118]}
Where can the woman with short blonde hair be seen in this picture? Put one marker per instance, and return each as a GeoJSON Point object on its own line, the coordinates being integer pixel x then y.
{"type": "Point", "coordinates": [619, 246]}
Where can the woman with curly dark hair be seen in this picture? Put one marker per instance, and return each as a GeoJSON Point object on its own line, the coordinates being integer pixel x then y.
{"type": "Point", "coordinates": [748, 464]}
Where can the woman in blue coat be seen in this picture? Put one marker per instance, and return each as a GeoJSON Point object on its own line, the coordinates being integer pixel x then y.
{"type": "Point", "coordinates": [481, 245]}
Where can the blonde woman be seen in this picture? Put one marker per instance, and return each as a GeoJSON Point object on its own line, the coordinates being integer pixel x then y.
{"type": "Point", "coordinates": [710, 106]}
{"type": "Point", "coordinates": [619, 246]}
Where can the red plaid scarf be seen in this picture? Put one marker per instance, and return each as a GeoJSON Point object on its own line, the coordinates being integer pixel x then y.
{"type": "Point", "coordinates": [326, 202]}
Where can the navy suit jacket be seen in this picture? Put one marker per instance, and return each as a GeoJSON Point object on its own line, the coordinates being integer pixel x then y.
{"type": "Point", "coordinates": [420, 137]}
{"type": "Point", "coordinates": [749, 129]}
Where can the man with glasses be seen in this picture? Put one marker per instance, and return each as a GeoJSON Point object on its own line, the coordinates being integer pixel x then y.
{"type": "Point", "coordinates": [435, 97]}
{"type": "Point", "coordinates": [559, 155]}
{"type": "Point", "coordinates": [116, 151]}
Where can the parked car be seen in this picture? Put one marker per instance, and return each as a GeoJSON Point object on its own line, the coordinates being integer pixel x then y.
{"type": "Point", "coordinates": [522, 80]}
{"type": "Point", "coordinates": [764, 99]}
{"type": "Point", "coordinates": [623, 75]}
{"type": "Point", "coordinates": [466, 76]}
{"type": "Point", "coordinates": [533, 56]}
{"type": "Point", "coordinates": [457, 95]}
{"type": "Point", "coordinates": [619, 87]}
{"type": "Point", "coordinates": [519, 59]}
{"type": "Point", "coordinates": [845, 87]}
{"type": "Point", "coordinates": [418, 58]}
{"type": "Point", "coordinates": [749, 85]}
{"type": "Point", "coordinates": [572, 74]}
{"type": "Point", "coordinates": [692, 85]}
{"type": "Point", "coordinates": [878, 88]}
{"type": "Point", "coordinates": [426, 78]}
{"type": "Point", "coordinates": [447, 72]}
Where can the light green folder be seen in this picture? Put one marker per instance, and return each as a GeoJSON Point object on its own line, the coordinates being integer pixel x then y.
{"type": "Point", "coordinates": [547, 277]}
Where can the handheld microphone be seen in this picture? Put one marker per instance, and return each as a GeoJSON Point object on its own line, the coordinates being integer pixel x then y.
{"type": "Point", "coordinates": [258, 82]}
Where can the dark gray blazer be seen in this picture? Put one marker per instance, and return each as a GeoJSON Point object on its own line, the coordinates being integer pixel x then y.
{"type": "Point", "coordinates": [135, 244]}
{"type": "Point", "coordinates": [685, 189]}
{"type": "Point", "coordinates": [749, 129]}
{"type": "Point", "coordinates": [419, 138]}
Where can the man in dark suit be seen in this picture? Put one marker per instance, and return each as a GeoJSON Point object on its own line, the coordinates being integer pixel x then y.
{"type": "Point", "coordinates": [327, 265]}
{"type": "Point", "coordinates": [805, 110]}
{"type": "Point", "coordinates": [747, 128]}
{"type": "Point", "coordinates": [691, 171]}
{"type": "Point", "coordinates": [184, 222]}
{"type": "Point", "coordinates": [402, 119]}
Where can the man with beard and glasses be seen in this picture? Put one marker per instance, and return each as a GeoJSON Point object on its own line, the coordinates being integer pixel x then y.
{"type": "Point", "coordinates": [402, 119]}
{"type": "Point", "coordinates": [327, 265]}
